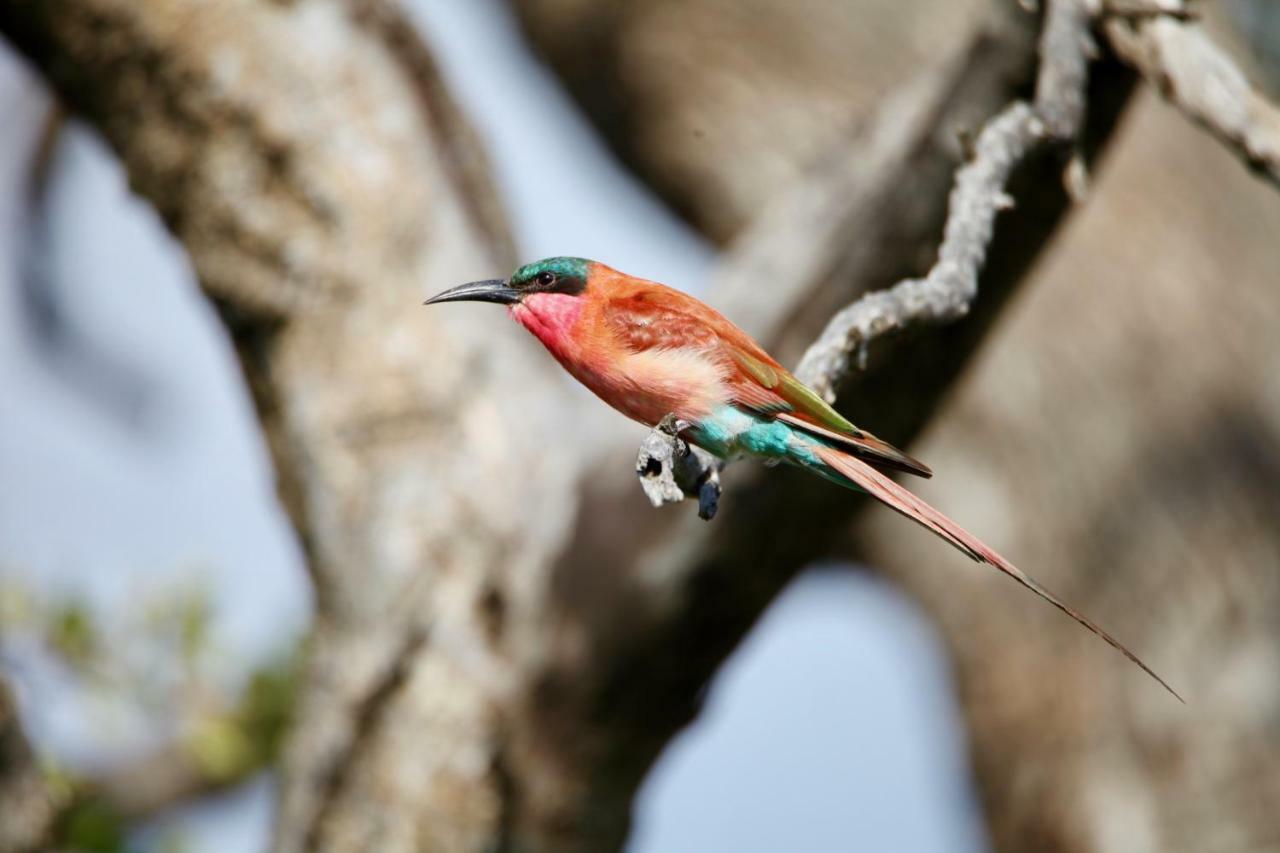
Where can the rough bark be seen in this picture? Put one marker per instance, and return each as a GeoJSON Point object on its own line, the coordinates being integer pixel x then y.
{"type": "Point", "coordinates": [1202, 80]}
{"type": "Point", "coordinates": [320, 194]}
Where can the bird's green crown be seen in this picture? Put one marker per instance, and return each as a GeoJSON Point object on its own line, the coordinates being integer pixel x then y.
{"type": "Point", "coordinates": [553, 275]}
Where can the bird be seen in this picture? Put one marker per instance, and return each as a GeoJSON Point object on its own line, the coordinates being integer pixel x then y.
{"type": "Point", "coordinates": [653, 352]}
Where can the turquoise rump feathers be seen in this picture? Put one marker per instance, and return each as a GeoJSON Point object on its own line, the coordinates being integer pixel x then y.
{"type": "Point", "coordinates": [729, 432]}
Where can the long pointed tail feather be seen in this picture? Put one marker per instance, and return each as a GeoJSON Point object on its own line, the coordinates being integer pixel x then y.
{"type": "Point", "coordinates": [900, 499]}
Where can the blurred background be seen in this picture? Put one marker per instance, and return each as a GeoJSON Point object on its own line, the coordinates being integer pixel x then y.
{"type": "Point", "coordinates": [1120, 424]}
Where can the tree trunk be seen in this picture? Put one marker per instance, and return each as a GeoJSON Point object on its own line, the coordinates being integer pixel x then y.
{"type": "Point", "coordinates": [321, 193]}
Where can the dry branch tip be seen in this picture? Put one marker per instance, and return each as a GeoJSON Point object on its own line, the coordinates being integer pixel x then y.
{"type": "Point", "coordinates": [670, 469]}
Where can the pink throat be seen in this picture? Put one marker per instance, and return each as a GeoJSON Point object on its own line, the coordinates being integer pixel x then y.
{"type": "Point", "coordinates": [551, 318]}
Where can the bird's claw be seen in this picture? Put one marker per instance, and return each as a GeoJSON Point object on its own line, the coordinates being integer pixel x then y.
{"type": "Point", "coordinates": [673, 426]}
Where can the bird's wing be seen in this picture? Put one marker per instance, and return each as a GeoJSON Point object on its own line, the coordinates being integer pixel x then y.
{"type": "Point", "coordinates": [760, 383]}
{"type": "Point", "coordinates": [659, 317]}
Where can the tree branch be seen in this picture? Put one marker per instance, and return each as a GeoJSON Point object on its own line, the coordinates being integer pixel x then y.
{"type": "Point", "coordinates": [948, 291]}
{"type": "Point", "coordinates": [319, 192]}
{"type": "Point", "coordinates": [1199, 78]}
{"type": "Point", "coordinates": [670, 470]}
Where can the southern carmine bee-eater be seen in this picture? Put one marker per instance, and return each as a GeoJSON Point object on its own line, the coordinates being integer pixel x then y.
{"type": "Point", "coordinates": [651, 351]}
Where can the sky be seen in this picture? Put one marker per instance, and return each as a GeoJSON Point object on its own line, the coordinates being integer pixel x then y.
{"type": "Point", "coordinates": [832, 728]}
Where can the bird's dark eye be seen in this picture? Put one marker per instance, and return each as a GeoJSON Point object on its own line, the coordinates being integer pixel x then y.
{"type": "Point", "coordinates": [546, 279]}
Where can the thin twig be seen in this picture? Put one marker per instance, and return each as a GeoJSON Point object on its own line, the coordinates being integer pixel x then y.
{"type": "Point", "coordinates": [948, 291]}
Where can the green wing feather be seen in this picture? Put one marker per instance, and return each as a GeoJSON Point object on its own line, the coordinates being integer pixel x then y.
{"type": "Point", "coordinates": [795, 403]}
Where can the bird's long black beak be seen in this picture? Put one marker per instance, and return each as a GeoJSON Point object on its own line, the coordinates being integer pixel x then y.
{"type": "Point", "coordinates": [493, 290]}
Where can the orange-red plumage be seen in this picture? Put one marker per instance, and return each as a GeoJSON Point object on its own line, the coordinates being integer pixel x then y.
{"type": "Point", "coordinates": [621, 316]}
